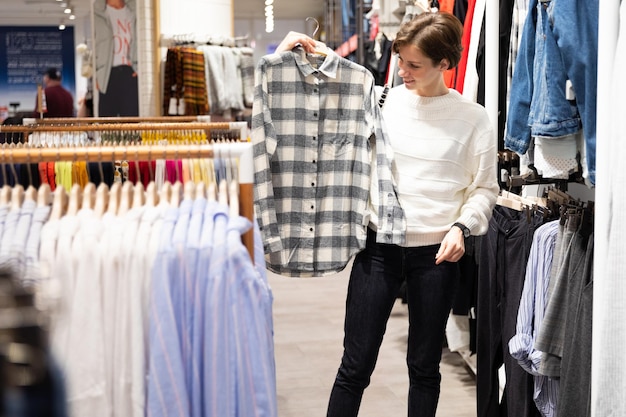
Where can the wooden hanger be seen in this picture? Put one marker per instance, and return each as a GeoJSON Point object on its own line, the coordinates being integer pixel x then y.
{"type": "Point", "coordinates": [74, 202]}
{"type": "Point", "coordinates": [517, 202]}
{"type": "Point", "coordinates": [201, 191]}
{"type": "Point", "coordinates": [233, 198]}
{"type": "Point", "coordinates": [102, 199]}
{"type": "Point", "coordinates": [44, 195]}
{"type": "Point", "coordinates": [211, 192]}
{"type": "Point", "coordinates": [59, 203]}
{"type": "Point", "coordinates": [165, 194]}
{"type": "Point", "coordinates": [115, 194]}
{"type": "Point", "coordinates": [177, 191]}
{"type": "Point", "coordinates": [152, 197]}
{"type": "Point", "coordinates": [126, 198]}
{"type": "Point", "coordinates": [5, 195]}
{"type": "Point", "coordinates": [30, 193]}
{"type": "Point", "coordinates": [139, 195]}
{"type": "Point", "coordinates": [89, 196]}
{"type": "Point", "coordinates": [189, 190]}
{"type": "Point", "coordinates": [222, 193]}
{"type": "Point", "coordinates": [17, 197]}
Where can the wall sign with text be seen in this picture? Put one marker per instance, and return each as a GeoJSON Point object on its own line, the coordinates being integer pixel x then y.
{"type": "Point", "coordinates": [25, 53]}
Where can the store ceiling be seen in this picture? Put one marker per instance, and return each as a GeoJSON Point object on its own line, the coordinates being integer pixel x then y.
{"type": "Point", "coordinates": [24, 10]}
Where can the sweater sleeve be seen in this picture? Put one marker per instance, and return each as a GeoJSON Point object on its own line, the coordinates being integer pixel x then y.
{"type": "Point", "coordinates": [481, 194]}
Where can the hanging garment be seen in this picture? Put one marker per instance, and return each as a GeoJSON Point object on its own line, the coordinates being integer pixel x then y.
{"type": "Point", "coordinates": [530, 317]}
{"type": "Point", "coordinates": [503, 257]}
{"type": "Point", "coordinates": [315, 121]}
{"type": "Point", "coordinates": [194, 82]}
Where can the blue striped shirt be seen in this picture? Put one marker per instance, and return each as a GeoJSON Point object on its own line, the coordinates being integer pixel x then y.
{"type": "Point", "coordinates": [252, 325]}
{"type": "Point", "coordinates": [530, 317]}
{"type": "Point", "coordinates": [167, 394]}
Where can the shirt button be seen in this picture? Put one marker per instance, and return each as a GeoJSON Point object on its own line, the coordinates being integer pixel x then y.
{"type": "Point", "coordinates": [315, 114]}
{"type": "Point", "coordinates": [312, 184]}
{"type": "Point", "coordinates": [311, 229]}
{"type": "Point", "coordinates": [314, 161]}
{"type": "Point", "coordinates": [315, 90]}
{"type": "Point", "coordinates": [312, 207]}
{"type": "Point", "coordinates": [314, 138]}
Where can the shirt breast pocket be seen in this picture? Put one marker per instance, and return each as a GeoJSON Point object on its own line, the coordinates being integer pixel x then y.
{"type": "Point", "coordinates": [338, 137]}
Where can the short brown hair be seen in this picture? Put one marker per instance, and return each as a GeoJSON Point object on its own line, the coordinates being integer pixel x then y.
{"type": "Point", "coordinates": [437, 35]}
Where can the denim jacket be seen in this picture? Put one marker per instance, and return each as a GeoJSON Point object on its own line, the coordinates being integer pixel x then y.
{"type": "Point", "coordinates": [559, 43]}
{"type": "Point", "coordinates": [538, 105]}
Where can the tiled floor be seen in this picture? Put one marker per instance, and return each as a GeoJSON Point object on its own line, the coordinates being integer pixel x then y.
{"type": "Point", "coordinates": [308, 327]}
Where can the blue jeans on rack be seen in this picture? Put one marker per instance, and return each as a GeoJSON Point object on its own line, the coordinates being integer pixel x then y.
{"type": "Point", "coordinates": [375, 280]}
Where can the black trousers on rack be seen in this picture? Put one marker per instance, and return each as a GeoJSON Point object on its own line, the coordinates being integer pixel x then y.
{"type": "Point", "coordinates": [503, 258]}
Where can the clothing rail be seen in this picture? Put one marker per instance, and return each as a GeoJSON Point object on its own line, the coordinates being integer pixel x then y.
{"type": "Point", "coordinates": [155, 119]}
{"type": "Point", "coordinates": [131, 127]}
{"type": "Point", "coordinates": [243, 150]}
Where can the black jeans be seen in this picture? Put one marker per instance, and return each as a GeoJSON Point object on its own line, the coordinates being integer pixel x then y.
{"type": "Point", "coordinates": [122, 96]}
{"type": "Point", "coordinates": [376, 276]}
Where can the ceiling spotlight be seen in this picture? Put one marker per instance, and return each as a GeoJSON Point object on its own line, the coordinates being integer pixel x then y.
{"type": "Point", "coordinates": [269, 2]}
{"type": "Point", "coordinates": [62, 26]}
{"type": "Point", "coordinates": [67, 10]}
{"type": "Point", "coordinates": [72, 17]}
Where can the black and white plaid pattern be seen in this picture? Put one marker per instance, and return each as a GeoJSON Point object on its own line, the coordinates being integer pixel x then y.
{"type": "Point", "coordinates": [312, 122]}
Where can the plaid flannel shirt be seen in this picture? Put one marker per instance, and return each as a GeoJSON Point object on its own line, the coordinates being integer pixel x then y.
{"type": "Point", "coordinates": [312, 122]}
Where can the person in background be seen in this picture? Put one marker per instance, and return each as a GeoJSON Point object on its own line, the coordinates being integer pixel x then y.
{"type": "Point", "coordinates": [116, 58]}
{"type": "Point", "coordinates": [445, 153]}
{"type": "Point", "coordinates": [59, 101]}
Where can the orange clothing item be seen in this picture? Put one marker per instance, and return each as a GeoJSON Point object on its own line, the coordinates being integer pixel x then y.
{"type": "Point", "coordinates": [446, 6]}
{"type": "Point", "coordinates": [449, 76]}
{"type": "Point", "coordinates": [47, 175]}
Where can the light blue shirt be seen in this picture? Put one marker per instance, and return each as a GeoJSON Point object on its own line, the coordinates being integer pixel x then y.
{"type": "Point", "coordinates": [199, 297]}
{"type": "Point", "coordinates": [252, 328]}
{"type": "Point", "coordinates": [182, 281]}
{"type": "Point", "coordinates": [8, 233]}
{"type": "Point", "coordinates": [219, 371]}
{"type": "Point", "coordinates": [192, 270]}
{"type": "Point", "coordinates": [530, 316]}
{"type": "Point", "coordinates": [167, 388]}
{"type": "Point", "coordinates": [17, 246]}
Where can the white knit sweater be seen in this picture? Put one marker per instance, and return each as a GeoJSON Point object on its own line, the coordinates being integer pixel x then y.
{"type": "Point", "coordinates": [445, 163]}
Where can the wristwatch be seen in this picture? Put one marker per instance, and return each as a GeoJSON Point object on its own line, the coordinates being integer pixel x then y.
{"type": "Point", "coordinates": [464, 229]}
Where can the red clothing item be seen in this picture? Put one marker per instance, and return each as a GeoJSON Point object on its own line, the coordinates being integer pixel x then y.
{"type": "Point", "coordinates": [465, 40]}
{"type": "Point", "coordinates": [47, 175]}
{"type": "Point", "coordinates": [141, 171]}
{"type": "Point", "coordinates": [59, 102]}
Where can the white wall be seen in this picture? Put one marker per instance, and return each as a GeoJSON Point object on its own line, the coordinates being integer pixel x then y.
{"type": "Point", "coordinates": [214, 17]}
{"type": "Point", "coordinates": [264, 42]}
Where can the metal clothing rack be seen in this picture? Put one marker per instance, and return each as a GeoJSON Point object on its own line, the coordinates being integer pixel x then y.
{"type": "Point", "coordinates": [13, 154]}
{"type": "Point", "coordinates": [128, 119]}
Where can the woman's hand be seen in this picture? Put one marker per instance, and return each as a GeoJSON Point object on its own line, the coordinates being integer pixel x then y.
{"type": "Point", "coordinates": [452, 247]}
{"type": "Point", "coordinates": [294, 38]}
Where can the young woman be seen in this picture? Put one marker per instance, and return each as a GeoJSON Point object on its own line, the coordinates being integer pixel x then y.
{"type": "Point", "coordinates": [446, 157]}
